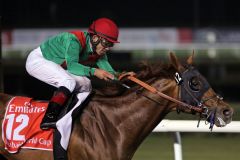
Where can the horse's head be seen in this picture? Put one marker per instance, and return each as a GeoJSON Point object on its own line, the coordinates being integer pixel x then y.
{"type": "Point", "coordinates": [196, 91]}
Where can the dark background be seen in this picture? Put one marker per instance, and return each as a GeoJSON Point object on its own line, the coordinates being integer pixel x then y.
{"type": "Point", "coordinates": [127, 13]}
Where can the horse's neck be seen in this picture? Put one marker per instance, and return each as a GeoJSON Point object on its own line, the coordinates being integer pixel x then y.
{"type": "Point", "coordinates": [126, 120]}
{"type": "Point", "coordinates": [143, 114]}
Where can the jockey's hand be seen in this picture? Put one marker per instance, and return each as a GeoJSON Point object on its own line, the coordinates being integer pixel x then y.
{"type": "Point", "coordinates": [102, 74]}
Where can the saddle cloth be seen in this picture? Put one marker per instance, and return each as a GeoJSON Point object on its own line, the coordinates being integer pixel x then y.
{"type": "Point", "coordinates": [21, 125]}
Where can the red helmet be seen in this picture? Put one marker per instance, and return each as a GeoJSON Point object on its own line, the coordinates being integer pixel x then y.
{"type": "Point", "coordinates": [105, 28]}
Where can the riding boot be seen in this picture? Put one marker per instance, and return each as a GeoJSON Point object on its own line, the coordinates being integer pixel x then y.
{"type": "Point", "coordinates": [54, 108]}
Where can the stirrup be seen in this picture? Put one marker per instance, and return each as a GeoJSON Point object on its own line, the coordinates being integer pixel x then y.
{"type": "Point", "coordinates": [48, 125]}
{"type": "Point", "coordinates": [49, 121]}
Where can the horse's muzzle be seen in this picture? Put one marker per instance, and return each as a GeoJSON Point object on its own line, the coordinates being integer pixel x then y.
{"type": "Point", "coordinates": [223, 116]}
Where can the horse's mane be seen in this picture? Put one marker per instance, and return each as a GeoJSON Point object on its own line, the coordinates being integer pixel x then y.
{"type": "Point", "coordinates": [149, 70]}
{"type": "Point", "coordinates": [145, 71]}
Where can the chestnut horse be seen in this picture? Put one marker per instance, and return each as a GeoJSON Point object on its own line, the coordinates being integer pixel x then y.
{"type": "Point", "coordinates": [113, 127]}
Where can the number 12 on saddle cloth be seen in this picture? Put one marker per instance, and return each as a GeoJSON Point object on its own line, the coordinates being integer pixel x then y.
{"type": "Point", "coordinates": [21, 125]}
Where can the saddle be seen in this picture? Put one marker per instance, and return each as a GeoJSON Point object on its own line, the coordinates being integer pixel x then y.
{"type": "Point", "coordinates": [58, 150]}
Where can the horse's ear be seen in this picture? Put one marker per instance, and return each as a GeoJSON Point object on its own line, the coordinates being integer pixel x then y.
{"type": "Point", "coordinates": [190, 59]}
{"type": "Point", "coordinates": [177, 65]}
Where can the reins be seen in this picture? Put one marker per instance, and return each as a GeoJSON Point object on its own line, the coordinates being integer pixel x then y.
{"type": "Point", "coordinates": [200, 108]}
{"type": "Point", "coordinates": [155, 91]}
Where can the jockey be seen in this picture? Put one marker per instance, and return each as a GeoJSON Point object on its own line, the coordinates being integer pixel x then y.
{"type": "Point", "coordinates": [63, 62]}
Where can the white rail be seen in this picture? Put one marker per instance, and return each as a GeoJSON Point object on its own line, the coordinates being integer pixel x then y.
{"type": "Point", "coordinates": [191, 126]}
{"type": "Point", "coordinates": [178, 126]}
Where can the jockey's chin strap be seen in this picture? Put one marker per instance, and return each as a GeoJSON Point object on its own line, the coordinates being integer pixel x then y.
{"type": "Point", "coordinates": [155, 91]}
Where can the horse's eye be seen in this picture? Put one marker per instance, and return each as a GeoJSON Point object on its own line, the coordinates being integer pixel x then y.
{"type": "Point", "coordinates": [195, 84]}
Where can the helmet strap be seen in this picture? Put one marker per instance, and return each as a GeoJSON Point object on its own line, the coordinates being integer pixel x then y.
{"type": "Point", "coordinates": [94, 43]}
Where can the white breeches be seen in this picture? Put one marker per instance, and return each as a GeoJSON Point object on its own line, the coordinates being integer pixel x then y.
{"type": "Point", "coordinates": [53, 74]}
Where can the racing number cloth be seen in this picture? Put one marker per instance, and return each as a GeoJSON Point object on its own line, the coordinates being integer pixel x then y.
{"type": "Point", "coordinates": [21, 125]}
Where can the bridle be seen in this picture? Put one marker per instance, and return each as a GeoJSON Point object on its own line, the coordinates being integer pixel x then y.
{"type": "Point", "coordinates": [189, 93]}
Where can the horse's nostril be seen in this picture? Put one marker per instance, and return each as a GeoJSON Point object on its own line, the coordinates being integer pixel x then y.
{"type": "Point", "coordinates": [226, 112]}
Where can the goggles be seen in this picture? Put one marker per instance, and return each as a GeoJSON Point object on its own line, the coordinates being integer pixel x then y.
{"type": "Point", "coordinates": [105, 43]}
